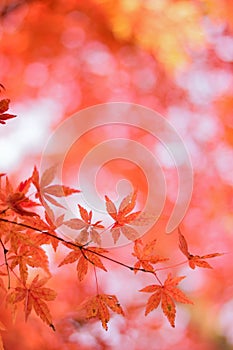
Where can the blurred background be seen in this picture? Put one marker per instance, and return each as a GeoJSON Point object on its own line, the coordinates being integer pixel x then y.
{"type": "Point", "coordinates": [175, 57]}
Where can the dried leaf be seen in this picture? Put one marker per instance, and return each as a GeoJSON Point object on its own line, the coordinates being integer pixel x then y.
{"type": "Point", "coordinates": [98, 305]}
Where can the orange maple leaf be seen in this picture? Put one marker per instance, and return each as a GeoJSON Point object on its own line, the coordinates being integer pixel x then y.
{"type": "Point", "coordinates": [83, 256]}
{"type": "Point", "coordinates": [34, 296]}
{"type": "Point", "coordinates": [195, 260]}
{"type": "Point", "coordinates": [14, 234]}
{"type": "Point", "coordinates": [146, 255]}
{"type": "Point", "coordinates": [28, 256]}
{"type": "Point", "coordinates": [4, 106]}
{"type": "Point", "coordinates": [45, 191]}
{"type": "Point", "coordinates": [53, 224]}
{"type": "Point", "coordinates": [16, 200]}
{"type": "Point", "coordinates": [2, 328]}
{"type": "Point", "coordinates": [88, 229]}
{"type": "Point", "coordinates": [122, 217]}
{"type": "Point", "coordinates": [2, 285]}
{"type": "Point", "coordinates": [98, 306]}
{"type": "Point", "coordinates": [166, 294]}
{"type": "Point", "coordinates": [37, 224]}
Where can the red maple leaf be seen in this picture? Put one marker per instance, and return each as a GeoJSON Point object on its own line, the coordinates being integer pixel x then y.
{"type": "Point", "coordinates": [16, 200]}
{"type": "Point", "coordinates": [4, 106]}
{"type": "Point", "coordinates": [98, 306]}
{"type": "Point", "coordinates": [146, 255]}
{"type": "Point", "coordinates": [84, 256]}
{"type": "Point", "coordinates": [166, 295]}
{"type": "Point", "coordinates": [46, 191]}
{"type": "Point", "coordinates": [122, 217]}
{"type": "Point", "coordinates": [34, 296]}
{"type": "Point", "coordinates": [26, 256]}
{"type": "Point", "coordinates": [195, 260]}
{"type": "Point", "coordinates": [88, 229]}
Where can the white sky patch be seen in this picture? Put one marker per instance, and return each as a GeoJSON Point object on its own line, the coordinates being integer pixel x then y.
{"type": "Point", "coordinates": [144, 79]}
{"type": "Point", "coordinates": [165, 156]}
{"type": "Point", "coordinates": [206, 127]}
{"type": "Point", "coordinates": [203, 85]}
{"type": "Point", "coordinates": [225, 320]}
{"type": "Point", "coordinates": [180, 118]}
{"type": "Point", "coordinates": [223, 157]}
{"type": "Point", "coordinates": [98, 59]}
{"type": "Point", "coordinates": [28, 133]}
{"type": "Point", "coordinates": [194, 281]}
{"type": "Point", "coordinates": [73, 37]}
{"type": "Point", "coordinates": [224, 48]}
{"type": "Point", "coordinates": [36, 74]}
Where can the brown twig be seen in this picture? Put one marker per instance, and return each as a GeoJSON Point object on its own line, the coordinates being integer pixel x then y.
{"type": "Point", "coordinates": [5, 251]}
{"type": "Point", "coordinates": [82, 248]}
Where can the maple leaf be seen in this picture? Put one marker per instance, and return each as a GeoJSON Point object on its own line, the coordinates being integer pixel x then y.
{"type": "Point", "coordinates": [14, 234]}
{"type": "Point", "coordinates": [49, 227]}
{"type": "Point", "coordinates": [45, 191]}
{"type": "Point", "coordinates": [83, 256]}
{"type": "Point", "coordinates": [98, 306]}
{"type": "Point", "coordinates": [4, 106]}
{"type": "Point", "coordinates": [16, 200]}
{"type": "Point", "coordinates": [144, 219]}
{"type": "Point", "coordinates": [122, 217]}
{"type": "Point", "coordinates": [166, 294]}
{"type": "Point", "coordinates": [146, 255]}
{"type": "Point", "coordinates": [88, 229]}
{"type": "Point", "coordinates": [28, 256]}
{"type": "Point", "coordinates": [34, 296]}
{"type": "Point", "coordinates": [2, 285]}
{"type": "Point", "coordinates": [2, 328]}
{"type": "Point", "coordinates": [195, 260]}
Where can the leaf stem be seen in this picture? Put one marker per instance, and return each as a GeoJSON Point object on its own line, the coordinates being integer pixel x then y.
{"type": "Point", "coordinates": [96, 281]}
{"type": "Point", "coordinates": [171, 266]}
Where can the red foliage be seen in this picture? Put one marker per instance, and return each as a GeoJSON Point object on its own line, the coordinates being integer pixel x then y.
{"type": "Point", "coordinates": [58, 57]}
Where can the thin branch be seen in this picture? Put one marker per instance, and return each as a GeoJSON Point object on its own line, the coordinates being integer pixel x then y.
{"type": "Point", "coordinates": [81, 247]}
{"type": "Point", "coordinates": [5, 251]}
{"type": "Point", "coordinates": [3, 211]}
{"type": "Point", "coordinates": [106, 229]}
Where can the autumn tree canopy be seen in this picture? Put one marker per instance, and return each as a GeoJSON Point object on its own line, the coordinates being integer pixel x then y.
{"type": "Point", "coordinates": [116, 174]}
